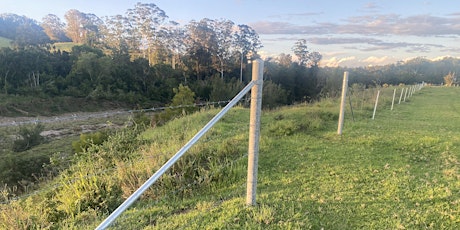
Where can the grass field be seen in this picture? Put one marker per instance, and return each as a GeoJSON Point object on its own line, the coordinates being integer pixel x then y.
{"type": "Point", "coordinates": [399, 171]}
{"type": "Point", "coordinates": [64, 46]}
{"type": "Point", "coordinates": [4, 42]}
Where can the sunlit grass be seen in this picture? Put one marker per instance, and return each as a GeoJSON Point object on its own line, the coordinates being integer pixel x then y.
{"type": "Point", "coordinates": [4, 42]}
{"type": "Point", "coordinates": [64, 46]}
{"type": "Point", "coordinates": [399, 171]}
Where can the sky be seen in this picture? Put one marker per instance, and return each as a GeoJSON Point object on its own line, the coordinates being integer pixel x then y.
{"type": "Point", "coordinates": [347, 33]}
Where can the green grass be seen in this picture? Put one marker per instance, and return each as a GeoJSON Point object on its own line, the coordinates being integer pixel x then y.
{"type": "Point", "coordinates": [399, 171]}
{"type": "Point", "coordinates": [64, 46]}
{"type": "Point", "coordinates": [30, 106]}
{"type": "Point", "coordinates": [4, 42]}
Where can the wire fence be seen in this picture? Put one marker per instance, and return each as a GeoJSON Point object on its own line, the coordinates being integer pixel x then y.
{"type": "Point", "coordinates": [101, 172]}
{"type": "Point", "coordinates": [104, 171]}
{"type": "Point", "coordinates": [79, 117]}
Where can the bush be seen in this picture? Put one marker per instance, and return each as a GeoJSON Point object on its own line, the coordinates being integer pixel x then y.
{"type": "Point", "coordinates": [87, 140]}
{"type": "Point", "coordinates": [29, 137]}
{"type": "Point", "coordinates": [273, 95]}
{"type": "Point", "coordinates": [183, 96]}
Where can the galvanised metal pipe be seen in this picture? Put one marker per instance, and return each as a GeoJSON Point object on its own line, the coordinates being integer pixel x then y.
{"type": "Point", "coordinates": [254, 130]}
{"type": "Point", "coordinates": [128, 202]}
{"type": "Point", "coordinates": [342, 102]}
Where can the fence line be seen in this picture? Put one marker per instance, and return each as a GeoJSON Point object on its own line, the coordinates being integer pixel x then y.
{"type": "Point", "coordinates": [58, 185]}
{"type": "Point", "coordinates": [75, 117]}
{"type": "Point", "coordinates": [370, 96]}
{"type": "Point", "coordinates": [255, 85]}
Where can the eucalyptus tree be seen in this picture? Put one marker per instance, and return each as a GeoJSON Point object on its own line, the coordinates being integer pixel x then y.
{"type": "Point", "coordinates": [246, 40]}
{"type": "Point", "coordinates": [23, 31]}
{"type": "Point", "coordinates": [301, 51]}
{"type": "Point", "coordinates": [75, 21]}
{"type": "Point", "coordinates": [201, 44]}
{"type": "Point", "coordinates": [146, 19]}
{"type": "Point", "coordinates": [223, 31]}
{"type": "Point", "coordinates": [54, 28]}
{"type": "Point", "coordinates": [116, 32]}
{"type": "Point", "coordinates": [173, 36]}
{"type": "Point", "coordinates": [91, 30]}
{"type": "Point", "coordinates": [83, 28]}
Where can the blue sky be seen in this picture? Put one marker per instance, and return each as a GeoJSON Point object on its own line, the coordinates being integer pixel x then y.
{"type": "Point", "coordinates": [346, 33]}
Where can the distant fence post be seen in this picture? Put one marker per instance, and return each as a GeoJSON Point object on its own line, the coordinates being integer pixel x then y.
{"type": "Point", "coordinates": [400, 97]}
{"type": "Point", "coordinates": [342, 103]}
{"type": "Point", "coordinates": [376, 103]}
{"type": "Point", "coordinates": [254, 130]}
{"type": "Point", "coordinates": [393, 101]}
{"type": "Point", "coordinates": [405, 94]}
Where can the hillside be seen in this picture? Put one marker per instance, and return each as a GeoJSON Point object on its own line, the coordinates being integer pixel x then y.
{"type": "Point", "coordinates": [399, 171]}
{"type": "Point", "coordinates": [4, 42]}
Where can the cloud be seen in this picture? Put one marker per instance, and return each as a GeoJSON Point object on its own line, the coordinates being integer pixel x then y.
{"type": "Point", "coordinates": [372, 60]}
{"type": "Point", "coordinates": [336, 61]}
{"type": "Point", "coordinates": [340, 40]}
{"type": "Point", "coordinates": [296, 15]}
{"type": "Point", "coordinates": [372, 44]}
{"type": "Point", "coordinates": [380, 24]}
{"type": "Point", "coordinates": [439, 58]}
{"type": "Point", "coordinates": [371, 7]}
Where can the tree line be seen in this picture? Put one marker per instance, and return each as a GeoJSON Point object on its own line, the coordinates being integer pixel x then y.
{"type": "Point", "coordinates": [136, 57]}
{"type": "Point", "coordinates": [141, 56]}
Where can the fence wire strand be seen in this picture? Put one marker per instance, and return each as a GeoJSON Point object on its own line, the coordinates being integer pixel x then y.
{"type": "Point", "coordinates": [107, 170]}
{"type": "Point", "coordinates": [78, 117]}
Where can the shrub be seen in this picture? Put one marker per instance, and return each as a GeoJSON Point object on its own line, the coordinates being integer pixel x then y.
{"type": "Point", "coordinates": [87, 140]}
{"type": "Point", "coordinates": [273, 95]}
{"type": "Point", "coordinates": [183, 96]}
{"type": "Point", "coordinates": [29, 137]}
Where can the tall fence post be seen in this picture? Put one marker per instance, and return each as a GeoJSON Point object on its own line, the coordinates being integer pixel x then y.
{"type": "Point", "coordinates": [254, 130]}
{"type": "Point", "coordinates": [376, 103]}
{"type": "Point", "coordinates": [405, 94]}
{"type": "Point", "coordinates": [393, 101]}
{"type": "Point", "coordinates": [400, 97]}
{"type": "Point", "coordinates": [342, 103]}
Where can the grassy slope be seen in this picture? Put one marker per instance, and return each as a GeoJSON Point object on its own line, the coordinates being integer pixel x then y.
{"type": "Point", "coordinates": [64, 46]}
{"type": "Point", "coordinates": [4, 42]}
{"type": "Point", "coordinates": [398, 171]}
{"type": "Point", "coordinates": [13, 106]}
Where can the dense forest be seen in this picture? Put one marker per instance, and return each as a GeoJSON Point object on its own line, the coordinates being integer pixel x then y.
{"type": "Point", "coordinates": [139, 58]}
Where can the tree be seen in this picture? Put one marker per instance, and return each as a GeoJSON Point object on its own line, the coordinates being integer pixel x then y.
{"type": "Point", "coordinates": [183, 96]}
{"type": "Point", "coordinates": [22, 30]}
{"type": "Point", "coordinates": [174, 42]}
{"type": "Point", "coordinates": [201, 45]}
{"type": "Point", "coordinates": [315, 58]}
{"type": "Point", "coordinates": [75, 23]}
{"type": "Point", "coordinates": [450, 79]}
{"type": "Point", "coordinates": [91, 29]}
{"type": "Point", "coordinates": [284, 60]}
{"type": "Point", "coordinates": [223, 34]}
{"type": "Point", "coordinates": [246, 40]}
{"type": "Point", "coordinates": [146, 19]}
{"type": "Point", "coordinates": [300, 50]}
{"type": "Point", "coordinates": [83, 28]}
{"type": "Point", "coordinates": [116, 32]}
{"type": "Point", "coordinates": [54, 28]}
